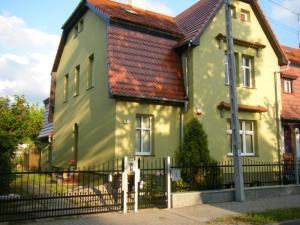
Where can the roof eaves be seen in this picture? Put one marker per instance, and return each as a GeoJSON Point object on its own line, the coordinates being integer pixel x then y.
{"type": "Point", "coordinates": [149, 99]}
{"type": "Point", "coordinates": [196, 39]}
{"type": "Point", "coordinates": [98, 12]}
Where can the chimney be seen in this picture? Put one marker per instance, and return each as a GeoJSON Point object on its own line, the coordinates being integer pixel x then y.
{"type": "Point", "coordinates": [137, 3]}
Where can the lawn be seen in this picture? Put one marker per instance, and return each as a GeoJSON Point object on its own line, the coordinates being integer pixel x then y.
{"type": "Point", "coordinates": [266, 217]}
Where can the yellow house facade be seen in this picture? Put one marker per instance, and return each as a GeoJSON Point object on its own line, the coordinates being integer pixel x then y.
{"type": "Point", "coordinates": [126, 80]}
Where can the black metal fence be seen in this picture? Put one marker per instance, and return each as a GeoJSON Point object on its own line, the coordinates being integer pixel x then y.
{"type": "Point", "coordinates": [55, 193]}
{"type": "Point", "coordinates": [62, 192]}
{"type": "Point", "coordinates": [221, 175]}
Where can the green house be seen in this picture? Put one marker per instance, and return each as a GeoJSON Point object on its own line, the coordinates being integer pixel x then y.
{"type": "Point", "coordinates": [125, 81]}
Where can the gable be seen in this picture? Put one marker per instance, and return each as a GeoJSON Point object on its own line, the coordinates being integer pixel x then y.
{"type": "Point", "coordinates": [195, 20]}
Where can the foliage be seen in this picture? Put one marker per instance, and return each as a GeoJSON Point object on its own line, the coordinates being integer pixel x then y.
{"type": "Point", "coordinates": [260, 218]}
{"type": "Point", "coordinates": [199, 169]}
{"type": "Point", "coordinates": [5, 167]}
{"type": "Point", "coordinates": [20, 122]}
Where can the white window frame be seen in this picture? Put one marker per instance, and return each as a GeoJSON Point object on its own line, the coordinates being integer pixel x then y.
{"type": "Point", "coordinates": [90, 77]}
{"type": "Point", "coordinates": [287, 86]}
{"type": "Point", "coordinates": [244, 133]}
{"type": "Point", "coordinates": [226, 69]}
{"type": "Point", "coordinates": [66, 87]}
{"type": "Point", "coordinates": [245, 68]}
{"type": "Point", "coordinates": [141, 129]}
{"type": "Point", "coordinates": [246, 15]}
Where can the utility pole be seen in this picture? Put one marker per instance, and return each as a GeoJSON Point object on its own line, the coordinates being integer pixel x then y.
{"type": "Point", "coordinates": [238, 167]}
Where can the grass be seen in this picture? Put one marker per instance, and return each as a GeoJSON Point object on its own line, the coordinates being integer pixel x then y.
{"type": "Point", "coordinates": [266, 217]}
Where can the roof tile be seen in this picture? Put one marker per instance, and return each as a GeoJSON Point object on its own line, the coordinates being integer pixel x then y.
{"type": "Point", "coordinates": [143, 65]}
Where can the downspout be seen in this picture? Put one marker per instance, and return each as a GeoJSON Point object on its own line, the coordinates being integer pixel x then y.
{"type": "Point", "coordinates": [277, 110]}
{"type": "Point", "coordinates": [186, 86]}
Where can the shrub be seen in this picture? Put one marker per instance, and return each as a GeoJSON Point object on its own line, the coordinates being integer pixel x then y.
{"type": "Point", "coordinates": [200, 171]}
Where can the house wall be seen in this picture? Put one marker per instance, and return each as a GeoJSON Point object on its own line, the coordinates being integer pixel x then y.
{"type": "Point", "coordinates": [92, 109]}
{"type": "Point", "coordinates": [166, 128]}
{"type": "Point", "coordinates": [209, 89]}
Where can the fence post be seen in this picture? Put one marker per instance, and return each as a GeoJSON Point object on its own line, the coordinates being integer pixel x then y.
{"type": "Point", "coordinates": [137, 175]}
{"type": "Point", "coordinates": [168, 177]}
{"type": "Point", "coordinates": [125, 184]}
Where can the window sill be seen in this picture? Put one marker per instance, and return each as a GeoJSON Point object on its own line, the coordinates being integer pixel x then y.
{"type": "Point", "coordinates": [243, 155]}
{"type": "Point", "coordinates": [250, 88]}
{"type": "Point", "coordinates": [89, 88]}
{"type": "Point", "coordinates": [75, 95]}
{"type": "Point", "coordinates": [144, 154]}
{"type": "Point", "coordinates": [288, 93]}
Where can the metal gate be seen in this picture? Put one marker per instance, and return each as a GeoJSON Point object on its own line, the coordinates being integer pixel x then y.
{"type": "Point", "coordinates": [153, 184]}
{"type": "Point", "coordinates": [44, 194]}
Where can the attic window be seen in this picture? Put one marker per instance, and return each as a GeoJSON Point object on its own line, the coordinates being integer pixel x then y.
{"type": "Point", "coordinates": [130, 11]}
{"type": "Point", "coordinates": [245, 15]}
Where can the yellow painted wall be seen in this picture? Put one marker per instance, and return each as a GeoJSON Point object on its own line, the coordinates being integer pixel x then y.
{"type": "Point", "coordinates": [92, 109]}
{"type": "Point", "coordinates": [166, 128]}
{"type": "Point", "coordinates": [209, 89]}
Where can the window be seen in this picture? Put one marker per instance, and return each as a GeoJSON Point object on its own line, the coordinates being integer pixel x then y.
{"type": "Point", "coordinates": [245, 15]}
{"type": "Point", "coordinates": [90, 72]}
{"type": "Point", "coordinates": [287, 85]}
{"type": "Point", "coordinates": [75, 30]}
{"type": "Point", "coordinates": [247, 66]}
{"type": "Point", "coordinates": [76, 80]}
{"type": "Point", "coordinates": [75, 143]}
{"type": "Point", "coordinates": [66, 85]}
{"type": "Point", "coordinates": [80, 26]}
{"type": "Point", "coordinates": [143, 135]}
{"type": "Point", "coordinates": [233, 11]}
{"type": "Point", "coordinates": [247, 137]}
{"type": "Point", "coordinates": [236, 57]}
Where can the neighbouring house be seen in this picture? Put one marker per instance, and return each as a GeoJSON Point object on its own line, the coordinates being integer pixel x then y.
{"type": "Point", "coordinates": [125, 81]}
{"type": "Point", "coordinates": [45, 137]}
{"type": "Point", "coordinates": [290, 116]}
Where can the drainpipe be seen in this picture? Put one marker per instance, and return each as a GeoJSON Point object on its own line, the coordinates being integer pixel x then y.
{"type": "Point", "coordinates": [186, 86]}
{"type": "Point", "coordinates": [277, 109]}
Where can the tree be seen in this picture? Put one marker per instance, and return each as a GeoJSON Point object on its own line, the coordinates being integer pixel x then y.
{"type": "Point", "coordinates": [19, 121]}
{"type": "Point", "coordinates": [200, 169]}
{"type": "Point", "coordinates": [195, 146]}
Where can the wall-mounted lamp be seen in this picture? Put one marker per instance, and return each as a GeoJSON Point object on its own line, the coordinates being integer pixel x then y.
{"type": "Point", "coordinates": [198, 112]}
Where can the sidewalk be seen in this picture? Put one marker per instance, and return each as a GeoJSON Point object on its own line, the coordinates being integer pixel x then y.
{"type": "Point", "coordinates": [194, 215]}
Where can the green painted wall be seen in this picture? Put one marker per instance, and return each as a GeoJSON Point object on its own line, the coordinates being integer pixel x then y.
{"type": "Point", "coordinates": [92, 109]}
{"type": "Point", "coordinates": [166, 128]}
{"type": "Point", "coordinates": [209, 89]}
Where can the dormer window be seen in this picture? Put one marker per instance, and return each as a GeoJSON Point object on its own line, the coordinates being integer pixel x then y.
{"type": "Point", "coordinates": [245, 15]}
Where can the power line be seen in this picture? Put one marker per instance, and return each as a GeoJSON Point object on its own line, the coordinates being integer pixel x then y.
{"type": "Point", "coordinates": [284, 7]}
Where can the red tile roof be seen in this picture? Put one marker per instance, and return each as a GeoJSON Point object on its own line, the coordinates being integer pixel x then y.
{"type": "Point", "coordinates": [291, 102]}
{"type": "Point", "coordinates": [119, 11]}
{"type": "Point", "coordinates": [143, 65]}
{"type": "Point", "coordinates": [293, 54]}
{"type": "Point", "coordinates": [195, 19]}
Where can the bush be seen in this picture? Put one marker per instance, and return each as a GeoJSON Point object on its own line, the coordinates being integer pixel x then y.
{"type": "Point", "coordinates": [199, 170]}
{"type": "Point", "coordinates": [5, 173]}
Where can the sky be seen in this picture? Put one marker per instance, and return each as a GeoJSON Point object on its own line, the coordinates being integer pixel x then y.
{"type": "Point", "coordinates": [30, 32]}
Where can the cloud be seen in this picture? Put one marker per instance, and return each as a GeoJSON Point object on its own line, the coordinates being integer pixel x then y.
{"type": "Point", "coordinates": [25, 67]}
{"type": "Point", "coordinates": [286, 16]}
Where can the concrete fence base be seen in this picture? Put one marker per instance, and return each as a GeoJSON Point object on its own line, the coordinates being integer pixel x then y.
{"type": "Point", "coordinates": [199, 197]}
